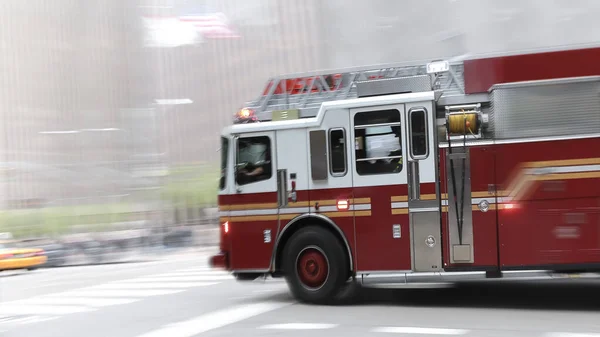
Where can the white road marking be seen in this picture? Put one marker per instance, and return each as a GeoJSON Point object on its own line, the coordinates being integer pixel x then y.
{"type": "Point", "coordinates": [201, 269]}
{"type": "Point", "coordinates": [194, 273]}
{"type": "Point", "coordinates": [35, 319]}
{"type": "Point", "coordinates": [157, 285]}
{"type": "Point", "coordinates": [119, 292]}
{"type": "Point", "coordinates": [263, 291]}
{"type": "Point", "coordinates": [421, 331]}
{"type": "Point", "coordinates": [181, 279]}
{"type": "Point", "coordinates": [299, 326]}
{"type": "Point", "coordinates": [215, 320]}
{"type": "Point", "coordinates": [571, 334]}
{"type": "Point", "coordinates": [81, 301]}
{"type": "Point", "coordinates": [23, 309]}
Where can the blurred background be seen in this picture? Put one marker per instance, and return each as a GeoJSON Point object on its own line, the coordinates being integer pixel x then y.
{"type": "Point", "coordinates": [111, 110]}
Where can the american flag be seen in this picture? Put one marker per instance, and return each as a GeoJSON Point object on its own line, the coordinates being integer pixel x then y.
{"type": "Point", "coordinates": [187, 27]}
{"type": "Point", "coordinates": [210, 25]}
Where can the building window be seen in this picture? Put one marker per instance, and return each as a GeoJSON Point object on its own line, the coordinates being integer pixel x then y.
{"type": "Point", "coordinates": [253, 160]}
{"type": "Point", "coordinates": [337, 152]}
{"type": "Point", "coordinates": [224, 156]}
{"type": "Point", "coordinates": [418, 133]}
{"type": "Point", "coordinates": [378, 142]}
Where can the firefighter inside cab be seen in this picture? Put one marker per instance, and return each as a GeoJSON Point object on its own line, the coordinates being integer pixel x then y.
{"type": "Point", "coordinates": [253, 161]}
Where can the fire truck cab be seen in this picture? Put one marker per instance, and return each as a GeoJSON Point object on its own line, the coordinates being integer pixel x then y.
{"type": "Point", "coordinates": [407, 175]}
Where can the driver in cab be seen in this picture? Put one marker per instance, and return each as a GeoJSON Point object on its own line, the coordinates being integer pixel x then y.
{"type": "Point", "coordinates": [253, 159]}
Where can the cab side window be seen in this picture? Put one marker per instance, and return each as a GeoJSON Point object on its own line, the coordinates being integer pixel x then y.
{"type": "Point", "coordinates": [378, 142]}
{"type": "Point", "coordinates": [337, 152]}
{"type": "Point", "coordinates": [253, 160]}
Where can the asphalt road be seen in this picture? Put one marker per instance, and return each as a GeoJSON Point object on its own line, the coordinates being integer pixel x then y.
{"type": "Point", "coordinates": [181, 297]}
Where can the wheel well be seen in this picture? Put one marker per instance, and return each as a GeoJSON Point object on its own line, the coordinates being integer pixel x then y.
{"type": "Point", "coordinates": [310, 221]}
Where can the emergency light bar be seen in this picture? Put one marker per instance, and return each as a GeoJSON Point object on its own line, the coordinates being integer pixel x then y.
{"type": "Point", "coordinates": [245, 115]}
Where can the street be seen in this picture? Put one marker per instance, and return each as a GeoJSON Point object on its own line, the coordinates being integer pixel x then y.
{"type": "Point", "coordinates": [181, 297]}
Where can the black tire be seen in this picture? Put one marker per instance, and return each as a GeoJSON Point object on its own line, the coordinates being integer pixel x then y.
{"type": "Point", "coordinates": [318, 251]}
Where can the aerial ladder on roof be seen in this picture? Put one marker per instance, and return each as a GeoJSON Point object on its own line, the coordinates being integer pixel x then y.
{"type": "Point", "coordinates": [304, 93]}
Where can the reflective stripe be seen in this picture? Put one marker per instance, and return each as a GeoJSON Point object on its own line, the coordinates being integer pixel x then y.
{"type": "Point", "coordinates": [399, 204]}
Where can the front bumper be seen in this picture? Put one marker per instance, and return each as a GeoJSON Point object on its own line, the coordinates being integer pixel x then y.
{"type": "Point", "coordinates": [220, 260]}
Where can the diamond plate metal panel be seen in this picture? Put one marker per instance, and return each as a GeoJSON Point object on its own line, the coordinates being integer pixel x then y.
{"type": "Point", "coordinates": [389, 86]}
{"type": "Point", "coordinates": [545, 108]}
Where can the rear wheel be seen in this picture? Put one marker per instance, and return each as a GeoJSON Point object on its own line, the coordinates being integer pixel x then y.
{"type": "Point", "coordinates": [315, 265]}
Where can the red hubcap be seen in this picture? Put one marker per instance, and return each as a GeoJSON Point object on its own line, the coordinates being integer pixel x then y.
{"type": "Point", "coordinates": [312, 268]}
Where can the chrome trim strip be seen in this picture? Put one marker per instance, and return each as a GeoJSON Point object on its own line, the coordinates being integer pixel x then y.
{"type": "Point", "coordinates": [524, 140]}
{"type": "Point", "coordinates": [409, 278]}
{"type": "Point", "coordinates": [524, 84]}
{"type": "Point", "coordinates": [424, 209]}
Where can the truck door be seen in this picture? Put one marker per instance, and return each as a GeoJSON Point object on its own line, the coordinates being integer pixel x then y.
{"type": "Point", "coordinates": [379, 182]}
{"type": "Point", "coordinates": [292, 175]}
{"type": "Point", "coordinates": [423, 189]}
{"type": "Point", "coordinates": [253, 204]}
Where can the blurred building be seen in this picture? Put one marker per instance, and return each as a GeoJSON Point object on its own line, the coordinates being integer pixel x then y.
{"type": "Point", "coordinates": [98, 98]}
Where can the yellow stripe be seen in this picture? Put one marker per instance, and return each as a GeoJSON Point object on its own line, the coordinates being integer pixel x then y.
{"type": "Point", "coordinates": [566, 162]}
{"type": "Point", "coordinates": [288, 216]}
{"type": "Point", "coordinates": [397, 211]}
{"type": "Point", "coordinates": [330, 202]}
{"type": "Point", "coordinates": [254, 218]}
{"type": "Point", "coordinates": [247, 207]}
{"type": "Point", "coordinates": [358, 201]}
{"type": "Point", "coordinates": [568, 176]}
{"type": "Point", "coordinates": [399, 198]}
{"type": "Point", "coordinates": [298, 204]}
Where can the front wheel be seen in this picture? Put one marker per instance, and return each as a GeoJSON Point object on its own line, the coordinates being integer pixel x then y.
{"type": "Point", "coordinates": [315, 265]}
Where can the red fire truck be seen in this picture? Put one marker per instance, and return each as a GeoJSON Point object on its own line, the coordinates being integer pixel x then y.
{"type": "Point", "coordinates": [416, 174]}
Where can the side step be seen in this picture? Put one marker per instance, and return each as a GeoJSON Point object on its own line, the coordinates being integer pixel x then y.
{"type": "Point", "coordinates": [448, 279]}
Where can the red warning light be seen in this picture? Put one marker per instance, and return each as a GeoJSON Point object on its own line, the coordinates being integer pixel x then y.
{"type": "Point", "coordinates": [245, 115]}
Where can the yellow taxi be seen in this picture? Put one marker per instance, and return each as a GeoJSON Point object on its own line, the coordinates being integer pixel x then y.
{"type": "Point", "coordinates": [15, 257]}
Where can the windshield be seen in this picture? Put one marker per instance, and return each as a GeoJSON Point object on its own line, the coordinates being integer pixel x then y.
{"type": "Point", "coordinates": [224, 156]}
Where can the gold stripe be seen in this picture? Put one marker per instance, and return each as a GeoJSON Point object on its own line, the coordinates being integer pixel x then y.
{"type": "Point", "coordinates": [397, 211]}
{"type": "Point", "coordinates": [568, 176]}
{"type": "Point", "coordinates": [566, 162]}
{"type": "Point", "coordinates": [247, 207]}
{"type": "Point", "coordinates": [329, 202]}
{"type": "Point", "coordinates": [288, 216]}
{"type": "Point", "coordinates": [223, 219]}
{"type": "Point", "coordinates": [428, 197]}
{"type": "Point", "coordinates": [399, 198]}
{"type": "Point", "coordinates": [254, 218]}
{"type": "Point", "coordinates": [298, 204]}
{"type": "Point", "coordinates": [346, 214]}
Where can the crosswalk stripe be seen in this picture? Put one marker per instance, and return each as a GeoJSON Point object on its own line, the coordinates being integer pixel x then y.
{"type": "Point", "coordinates": [156, 285]}
{"type": "Point", "coordinates": [82, 301]}
{"type": "Point", "coordinates": [180, 279]}
{"type": "Point", "coordinates": [420, 331]}
{"type": "Point", "coordinates": [24, 309]}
